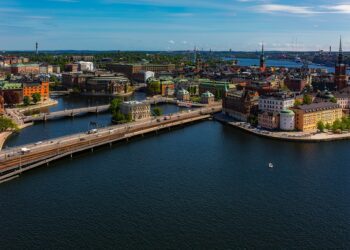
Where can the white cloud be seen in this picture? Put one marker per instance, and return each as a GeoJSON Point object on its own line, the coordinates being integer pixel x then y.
{"type": "Point", "coordinates": [289, 9]}
{"type": "Point", "coordinates": [171, 41]}
{"type": "Point", "coordinates": [342, 8]}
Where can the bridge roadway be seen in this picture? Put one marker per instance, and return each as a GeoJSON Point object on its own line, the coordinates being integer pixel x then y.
{"type": "Point", "coordinates": [13, 161]}
{"type": "Point", "coordinates": [65, 113]}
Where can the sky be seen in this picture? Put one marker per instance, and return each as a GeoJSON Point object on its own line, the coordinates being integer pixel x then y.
{"type": "Point", "coordinates": [240, 25]}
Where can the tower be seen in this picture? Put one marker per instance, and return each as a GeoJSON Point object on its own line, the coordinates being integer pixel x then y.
{"type": "Point", "coordinates": [262, 59]}
{"type": "Point", "coordinates": [340, 79]}
{"type": "Point", "coordinates": [36, 48]}
{"type": "Point", "coordinates": [199, 63]}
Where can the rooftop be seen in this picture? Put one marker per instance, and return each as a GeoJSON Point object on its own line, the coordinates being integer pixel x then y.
{"type": "Point", "coordinates": [314, 107]}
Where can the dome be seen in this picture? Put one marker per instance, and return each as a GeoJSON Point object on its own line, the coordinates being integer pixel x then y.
{"type": "Point", "coordinates": [287, 112]}
{"type": "Point", "coordinates": [207, 94]}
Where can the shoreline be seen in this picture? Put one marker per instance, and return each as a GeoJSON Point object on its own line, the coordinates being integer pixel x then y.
{"type": "Point", "coordinates": [283, 135]}
{"type": "Point", "coordinates": [48, 103]}
{"type": "Point", "coordinates": [3, 137]}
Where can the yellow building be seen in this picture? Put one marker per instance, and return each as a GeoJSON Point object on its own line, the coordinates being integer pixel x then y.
{"type": "Point", "coordinates": [307, 116]}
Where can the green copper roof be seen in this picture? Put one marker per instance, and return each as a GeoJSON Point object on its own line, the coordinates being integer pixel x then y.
{"type": "Point", "coordinates": [183, 92]}
{"type": "Point", "coordinates": [287, 112]}
{"type": "Point", "coordinates": [207, 94]}
{"type": "Point", "coordinates": [9, 85]}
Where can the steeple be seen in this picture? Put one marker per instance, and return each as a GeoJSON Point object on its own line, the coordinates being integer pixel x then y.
{"type": "Point", "coordinates": [262, 59]}
{"type": "Point", "coordinates": [340, 55]}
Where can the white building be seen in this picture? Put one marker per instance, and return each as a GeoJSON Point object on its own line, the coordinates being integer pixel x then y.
{"type": "Point", "coordinates": [86, 66]}
{"type": "Point", "coordinates": [149, 74]}
{"type": "Point", "coordinates": [343, 98]}
{"type": "Point", "coordinates": [287, 120]}
{"type": "Point", "coordinates": [137, 110]}
{"type": "Point", "coordinates": [275, 102]}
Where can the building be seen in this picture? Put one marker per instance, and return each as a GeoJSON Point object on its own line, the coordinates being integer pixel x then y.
{"type": "Point", "coordinates": [137, 110]}
{"type": "Point", "coordinates": [207, 98]}
{"type": "Point", "coordinates": [343, 98]}
{"type": "Point", "coordinates": [56, 69]}
{"type": "Point", "coordinates": [307, 116]}
{"type": "Point", "coordinates": [340, 78]}
{"type": "Point", "coordinates": [262, 60]}
{"type": "Point", "coordinates": [2, 105]}
{"type": "Point", "coordinates": [167, 88]}
{"type": "Point", "coordinates": [276, 102]}
{"type": "Point", "coordinates": [25, 69]}
{"type": "Point", "coordinates": [81, 58]}
{"type": "Point", "coordinates": [86, 66]}
{"type": "Point", "coordinates": [183, 95]}
{"type": "Point", "coordinates": [240, 104]}
{"type": "Point", "coordinates": [143, 76]}
{"type": "Point", "coordinates": [72, 67]}
{"type": "Point", "coordinates": [130, 69]}
{"type": "Point", "coordinates": [295, 84]}
{"type": "Point", "coordinates": [287, 120]}
{"type": "Point", "coordinates": [269, 120]}
{"type": "Point", "coordinates": [106, 85]}
{"type": "Point", "coordinates": [218, 89]}
{"type": "Point", "coordinates": [45, 69]}
{"type": "Point", "coordinates": [41, 88]}
{"type": "Point", "coordinates": [11, 92]}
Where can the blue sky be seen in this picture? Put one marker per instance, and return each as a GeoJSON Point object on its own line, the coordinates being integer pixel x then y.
{"type": "Point", "coordinates": [174, 24]}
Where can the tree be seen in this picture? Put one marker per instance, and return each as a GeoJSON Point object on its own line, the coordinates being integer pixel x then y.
{"type": "Point", "coordinates": [307, 99]}
{"type": "Point", "coordinates": [320, 126]}
{"type": "Point", "coordinates": [26, 101]}
{"type": "Point", "coordinates": [328, 126]}
{"type": "Point", "coordinates": [333, 99]}
{"type": "Point", "coordinates": [36, 97]}
{"type": "Point", "coordinates": [154, 87]}
{"type": "Point", "coordinates": [115, 105]}
{"type": "Point", "coordinates": [157, 111]}
{"type": "Point", "coordinates": [11, 97]}
{"type": "Point", "coordinates": [6, 123]}
{"type": "Point", "coordinates": [297, 102]}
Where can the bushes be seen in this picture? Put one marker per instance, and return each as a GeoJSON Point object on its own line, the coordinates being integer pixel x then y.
{"type": "Point", "coordinates": [6, 123]}
{"type": "Point", "coordinates": [343, 124]}
{"type": "Point", "coordinates": [117, 116]}
{"type": "Point", "coordinates": [157, 111]}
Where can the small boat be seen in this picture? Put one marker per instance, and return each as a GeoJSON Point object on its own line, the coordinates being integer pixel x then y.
{"type": "Point", "coordinates": [270, 165]}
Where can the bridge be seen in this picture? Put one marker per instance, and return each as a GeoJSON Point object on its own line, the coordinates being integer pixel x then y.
{"type": "Point", "coordinates": [14, 161]}
{"type": "Point", "coordinates": [65, 113]}
{"type": "Point", "coordinates": [97, 109]}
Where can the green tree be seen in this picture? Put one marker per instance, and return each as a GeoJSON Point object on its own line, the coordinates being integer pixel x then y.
{"type": "Point", "coordinates": [253, 120]}
{"type": "Point", "coordinates": [36, 97]}
{"type": "Point", "coordinates": [6, 123]}
{"type": "Point", "coordinates": [320, 126]}
{"type": "Point", "coordinates": [115, 105]}
{"type": "Point", "coordinates": [154, 87]}
{"type": "Point", "coordinates": [307, 99]}
{"type": "Point", "coordinates": [297, 102]}
{"type": "Point", "coordinates": [157, 111]}
{"type": "Point", "coordinates": [333, 99]}
{"type": "Point", "coordinates": [26, 101]}
{"type": "Point", "coordinates": [328, 126]}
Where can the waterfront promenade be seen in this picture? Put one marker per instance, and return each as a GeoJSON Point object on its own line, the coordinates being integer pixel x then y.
{"type": "Point", "coordinates": [14, 161]}
{"type": "Point", "coordinates": [282, 135]}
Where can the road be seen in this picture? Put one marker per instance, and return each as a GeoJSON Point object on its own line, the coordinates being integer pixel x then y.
{"type": "Point", "coordinates": [45, 151]}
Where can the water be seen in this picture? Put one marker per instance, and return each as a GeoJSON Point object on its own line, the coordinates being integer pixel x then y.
{"type": "Point", "coordinates": [203, 186]}
{"type": "Point", "coordinates": [61, 127]}
{"type": "Point", "coordinates": [280, 63]}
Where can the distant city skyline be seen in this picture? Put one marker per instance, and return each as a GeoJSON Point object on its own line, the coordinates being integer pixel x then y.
{"type": "Point", "coordinates": [241, 25]}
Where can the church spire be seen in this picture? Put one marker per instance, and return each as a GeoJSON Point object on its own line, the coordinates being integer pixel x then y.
{"type": "Point", "coordinates": [262, 59]}
{"type": "Point", "coordinates": [340, 55]}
